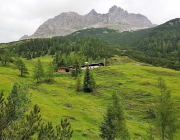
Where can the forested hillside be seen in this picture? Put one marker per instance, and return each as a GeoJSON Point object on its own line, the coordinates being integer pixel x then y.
{"type": "Point", "coordinates": [161, 47]}
{"type": "Point", "coordinates": [64, 50]}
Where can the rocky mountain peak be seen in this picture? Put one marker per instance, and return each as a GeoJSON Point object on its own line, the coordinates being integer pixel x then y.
{"type": "Point", "coordinates": [24, 36]}
{"type": "Point", "coordinates": [113, 8]}
{"type": "Point", "coordinates": [116, 9]}
{"type": "Point", "coordinates": [93, 12]}
{"type": "Point", "coordinates": [66, 14]}
{"type": "Point", "coordinates": [69, 22]}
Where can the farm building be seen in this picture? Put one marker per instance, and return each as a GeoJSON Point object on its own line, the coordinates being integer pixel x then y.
{"type": "Point", "coordinates": [69, 69]}
{"type": "Point", "coordinates": [93, 65]}
{"type": "Point", "coordinates": [64, 69]}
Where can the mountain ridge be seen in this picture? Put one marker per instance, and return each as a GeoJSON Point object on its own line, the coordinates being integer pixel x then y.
{"type": "Point", "coordinates": [69, 22]}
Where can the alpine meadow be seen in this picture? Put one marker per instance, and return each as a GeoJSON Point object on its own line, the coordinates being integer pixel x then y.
{"type": "Point", "coordinates": [92, 83]}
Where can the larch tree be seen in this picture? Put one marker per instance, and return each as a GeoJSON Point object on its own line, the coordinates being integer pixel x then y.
{"type": "Point", "coordinates": [6, 57]}
{"type": "Point", "coordinates": [21, 67]}
{"type": "Point", "coordinates": [78, 83]}
{"type": "Point", "coordinates": [38, 71]}
{"type": "Point", "coordinates": [167, 122]}
{"type": "Point", "coordinates": [50, 72]}
{"type": "Point", "coordinates": [76, 69]}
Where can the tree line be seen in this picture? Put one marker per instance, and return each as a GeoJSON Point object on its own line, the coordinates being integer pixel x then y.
{"type": "Point", "coordinates": [88, 47]}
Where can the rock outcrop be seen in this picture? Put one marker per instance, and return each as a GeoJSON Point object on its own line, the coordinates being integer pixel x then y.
{"type": "Point", "coordinates": [69, 22]}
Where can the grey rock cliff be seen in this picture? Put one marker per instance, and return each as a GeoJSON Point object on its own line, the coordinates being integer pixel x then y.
{"type": "Point", "coordinates": [69, 22]}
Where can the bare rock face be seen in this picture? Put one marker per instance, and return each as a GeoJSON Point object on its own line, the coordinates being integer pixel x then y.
{"type": "Point", "coordinates": [69, 22]}
{"type": "Point", "coordinates": [24, 37]}
{"type": "Point", "coordinates": [118, 15]}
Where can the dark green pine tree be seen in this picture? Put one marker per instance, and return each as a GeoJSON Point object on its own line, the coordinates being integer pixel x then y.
{"type": "Point", "coordinates": [114, 124]}
{"type": "Point", "coordinates": [63, 130]}
{"type": "Point", "coordinates": [26, 129]}
{"type": "Point", "coordinates": [31, 124]}
{"type": "Point", "coordinates": [46, 132]}
{"type": "Point", "coordinates": [13, 109]}
{"type": "Point", "coordinates": [10, 111]}
{"type": "Point", "coordinates": [87, 84]}
{"type": "Point", "coordinates": [19, 98]}
{"type": "Point", "coordinates": [7, 113]}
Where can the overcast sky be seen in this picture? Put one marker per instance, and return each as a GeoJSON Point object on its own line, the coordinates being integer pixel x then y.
{"type": "Point", "coordinates": [20, 17]}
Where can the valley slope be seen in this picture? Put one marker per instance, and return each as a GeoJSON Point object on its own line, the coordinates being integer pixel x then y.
{"type": "Point", "coordinates": [134, 82]}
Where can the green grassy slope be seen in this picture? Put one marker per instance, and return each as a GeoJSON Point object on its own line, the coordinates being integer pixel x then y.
{"type": "Point", "coordinates": [134, 82]}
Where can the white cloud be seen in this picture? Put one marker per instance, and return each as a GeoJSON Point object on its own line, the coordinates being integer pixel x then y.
{"type": "Point", "coordinates": [19, 17]}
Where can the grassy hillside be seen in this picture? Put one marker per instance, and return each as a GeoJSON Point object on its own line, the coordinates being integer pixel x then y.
{"type": "Point", "coordinates": [134, 82]}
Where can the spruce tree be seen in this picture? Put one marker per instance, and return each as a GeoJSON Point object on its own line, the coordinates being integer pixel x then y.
{"type": "Point", "coordinates": [63, 130]}
{"type": "Point", "coordinates": [114, 124]}
{"type": "Point", "coordinates": [87, 84]}
{"type": "Point", "coordinates": [31, 124]}
{"type": "Point", "coordinates": [10, 110]}
{"type": "Point", "coordinates": [38, 71]}
{"type": "Point", "coordinates": [27, 127]}
{"type": "Point", "coordinates": [19, 97]}
{"type": "Point", "coordinates": [46, 132]}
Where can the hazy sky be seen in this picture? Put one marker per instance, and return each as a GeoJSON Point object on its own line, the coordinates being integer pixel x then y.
{"type": "Point", "coordinates": [20, 17]}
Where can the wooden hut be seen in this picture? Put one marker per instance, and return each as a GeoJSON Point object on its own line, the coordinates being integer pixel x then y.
{"type": "Point", "coordinates": [64, 69]}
